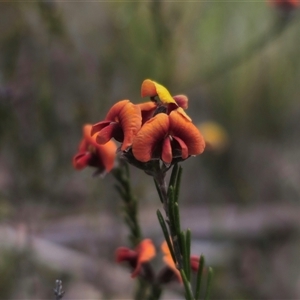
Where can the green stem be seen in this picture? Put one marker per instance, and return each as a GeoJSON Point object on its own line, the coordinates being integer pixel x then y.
{"type": "Point", "coordinates": [124, 189]}
{"type": "Point", "coordinates": [161, 181]}
{"type": "Point", "coordinates": [168, 198]}
{"type": "Point", "coordinates": [121, 174]}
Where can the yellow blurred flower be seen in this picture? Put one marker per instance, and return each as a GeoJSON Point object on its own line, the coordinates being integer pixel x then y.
{"type": "Point", "coordinates": [215, 136]}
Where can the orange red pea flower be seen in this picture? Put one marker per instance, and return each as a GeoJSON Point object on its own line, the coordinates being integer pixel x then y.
{"type": "Point", "coordinates": [122, 122]}
{"type": "Point", "coordinates": [157, 129]}
{"type": "Point", "coordinates": [138, 257]}
{"type": "Point", "coordinates": [167, 136]}
{"type": "Point", "coordinates": [167, 258]}
{"type": "Point", "coordinates": [90, 153]}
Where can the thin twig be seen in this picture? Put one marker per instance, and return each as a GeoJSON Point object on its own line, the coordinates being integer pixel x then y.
{"type": "Point", "coordinates": [58, 291]}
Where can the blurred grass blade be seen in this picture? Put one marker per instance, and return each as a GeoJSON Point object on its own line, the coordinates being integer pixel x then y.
{"type": "Point", "coordinates": [199, 277]}
{"type": "Point", "coordinates": [166, 233]}
{"type": "Point", "coordinates": [173, 178]}
{"type": "Point", "coordinates": [187, 286]}
{"type": "Point", "coordinates": [176, 218]}
{"type": "Point", "coordinates": [188, 250]}
{"type": "Point", "coordinates": [209, 283]}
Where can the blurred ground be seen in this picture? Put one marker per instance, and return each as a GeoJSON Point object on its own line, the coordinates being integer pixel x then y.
{"type": "Point", "coordinates": [63, 64]}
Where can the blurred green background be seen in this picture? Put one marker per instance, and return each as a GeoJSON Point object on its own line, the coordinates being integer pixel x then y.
{"type": "Point", "coordinates": [63, 64]}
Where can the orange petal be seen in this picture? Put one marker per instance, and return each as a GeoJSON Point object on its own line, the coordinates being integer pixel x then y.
{"type": "Point", "coordinates": [184, 129]}
{"type": "Point", "coordinates": [150, 135]}
{"type": "Point", "coordinates": [113, 113]}
{"type": "Point", "coordinates": [128, 116]}
{"type": "Point", "coordinates": [148, 88]}
{"type": "Point", "coordinates": [131, 121]}
{"type": "Point", "coordinates": [167, 258]}
{"type": "Point", "coordinates": [146, 251]}
{"type": "Point", "coordinates": [107, 152]}
{"type": "Point", "coordinates": [147, 110]}
{"type": "Point", "coordinates": [147, 106]}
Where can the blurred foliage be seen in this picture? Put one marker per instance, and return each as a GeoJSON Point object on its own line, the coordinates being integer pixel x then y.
{"type": "Point", "coordinates": [63, 64]}
{"type": "Point", "coordinates": [21, 276]}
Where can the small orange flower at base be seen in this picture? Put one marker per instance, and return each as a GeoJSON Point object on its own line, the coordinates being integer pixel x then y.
{"type": "Point", "coordinates": [142, 254]}
{"type": "Point", "coordinates": [168, 260]}
{"type": "Point", "coordinates": [172, 272]}
{"type": "Point", "coordinates": [122, 122]}
{"type": "Point", "coordinates": [90, 153]}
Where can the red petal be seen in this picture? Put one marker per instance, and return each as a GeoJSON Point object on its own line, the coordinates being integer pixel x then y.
{"type": "Point", "coordinates": [183, 147]}
{"type": "Point", "coordinates": [81, 160]}
{"type": "Point", "coordinates": [83, 145]}
{"type": "Point", "coordinates": [125, 254]}
{"type": "Point", "coordinates": [166, 154]}
{"type": "Point", "coordinates": [194, 260]}
{"type": "Point", "coordinates": [181, 100]}
{"type": "Point", "coordinates": [106, 133]}
{"type": "Point", "coordinates": [98, 126]}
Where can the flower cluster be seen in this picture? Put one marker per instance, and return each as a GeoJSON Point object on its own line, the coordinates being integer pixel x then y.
{"type": "Point", "coordinates": [155, 130]}
{"type": "Point", "coordinates": [139, 259]}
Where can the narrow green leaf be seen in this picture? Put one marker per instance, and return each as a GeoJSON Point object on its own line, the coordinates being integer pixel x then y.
{"type": "Point", "coordinates": [187, 286]}
{"type": "Point", "coordinates": [185, 258]}
{"type": "Point", "coordinates": [173, 178]}
{"type": "Point", "coordinates": [176, 218]}
{"type": "Point", "coordinates": [209, 283]}
{"type": "Point", "coordinates": [199, 277]}
{"type": "Point", "coordinates": [188, 250]}
{"type": "Point", "coordinates": [177, 184]}
{"type": "Point", "coordinates": [171, 205]}
{"type": "Point", "coordinates": [166, 233]}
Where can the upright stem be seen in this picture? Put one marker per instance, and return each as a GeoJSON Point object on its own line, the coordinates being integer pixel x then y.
{"type": "Point", "coordinates": [130, 203]}
{"type": "Point", "coordinates": [161, 180]}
